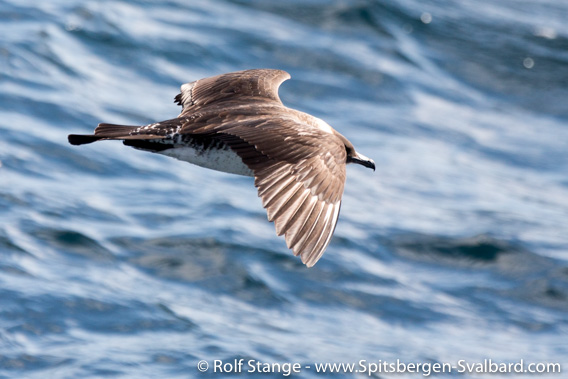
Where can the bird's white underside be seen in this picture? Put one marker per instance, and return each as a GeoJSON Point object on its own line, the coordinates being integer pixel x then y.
{"type": "Point", "coordinates": [224, 160]}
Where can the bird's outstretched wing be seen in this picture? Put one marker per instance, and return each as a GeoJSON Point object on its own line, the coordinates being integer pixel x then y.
{"type": "Point", "coordinates": [207, 99]}
{"type": "Point", "coordinates": [300, 175]}
{"type": "Point", "coordinates": [235, 87]}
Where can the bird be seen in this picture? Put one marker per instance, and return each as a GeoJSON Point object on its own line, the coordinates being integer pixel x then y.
{"type": "Point", "coordinates": [236, 123]}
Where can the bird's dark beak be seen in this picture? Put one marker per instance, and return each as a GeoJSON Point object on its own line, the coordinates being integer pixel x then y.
{"type": "Point", "coordinates": [362, 160]}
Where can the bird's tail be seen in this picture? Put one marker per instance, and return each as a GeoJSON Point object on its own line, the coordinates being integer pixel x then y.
{"type": "Point", "coordinates": [107, 131]}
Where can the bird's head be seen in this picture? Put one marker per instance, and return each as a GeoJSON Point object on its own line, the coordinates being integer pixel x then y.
{"type": "Point", "coordinates": [361, 159]}
{"type": "Point", "coordinates": [355, 157]}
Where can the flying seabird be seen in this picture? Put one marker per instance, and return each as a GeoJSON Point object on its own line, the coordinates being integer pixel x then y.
{"type": "Point", "coordinates": [236, 123]}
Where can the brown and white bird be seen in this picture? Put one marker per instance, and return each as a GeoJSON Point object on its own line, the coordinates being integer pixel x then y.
{"type": "Point", "coordinates": [236, 123]}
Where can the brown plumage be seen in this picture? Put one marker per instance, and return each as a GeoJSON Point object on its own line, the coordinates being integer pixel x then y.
{"type": "Point", "coordinates": [298, 161]}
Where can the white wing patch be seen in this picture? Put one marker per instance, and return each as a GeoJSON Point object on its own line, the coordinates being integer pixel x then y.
{"type": "Point", "coordinates": [323, 126]}
{"type": "Point", "coordinates": [186, 99]}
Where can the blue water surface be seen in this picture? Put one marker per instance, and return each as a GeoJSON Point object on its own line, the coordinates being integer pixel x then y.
{"type": "Point", "coordinates": [120, 263]}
